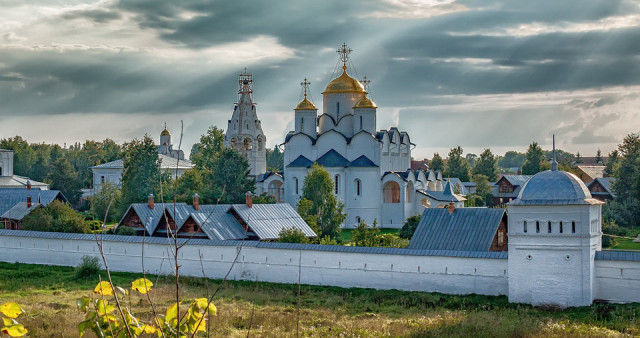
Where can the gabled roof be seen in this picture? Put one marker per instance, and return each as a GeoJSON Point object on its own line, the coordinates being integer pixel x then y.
{"type": "Point", "coordinates": [268, 174]}
{"type": "Point", "coordinates": [447, 195]}
{"type": "Point", "coordinates": [150, 218]}
{"type": "Point", "coordinates": [362, 161]}
{"type": "Point", "coordinates": [267, 220]}
{"type": "Point", "coordinates": [592, 171]}
{"type": "Point", "coordinates": [457, 182]}
{"type": "Point", "coordinates": [300, 162]}
{"type": "Point", "coordinates": [466, 229]}
{"type": "Point", "coordinates": [332, 159]}
{"type": "Point", "coordinates": [19, 210]}
{"type": "Point", "coordinates": [12, 196]}
{"type": "Point", "coordinates": [166, 162]}
{"type": "Point", "coordinates": [16, 181]}
{"type": "Point", "coordinates": [517, 180]}
{"type": "Point", "coordinates": [217, 223]}
{"type": "Point", "coordinates": [606, 183]}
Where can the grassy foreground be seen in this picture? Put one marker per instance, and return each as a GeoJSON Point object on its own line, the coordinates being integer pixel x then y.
{"type": "Point", "coordinates": [48, 295]}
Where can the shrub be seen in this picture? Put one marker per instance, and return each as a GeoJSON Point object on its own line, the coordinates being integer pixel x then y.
{"type": "Point", "coordinates": [89, 267]}
{"type": "Point", "coordinates": [125, 231]}
{"type": "Point", "coordinates": [410, 226]}
{"type": "Point", "coordinates": [391, 241]}
{"type": "Point", "coordinates": [292, 235]}
{"type": "Point", "coordinates": [55, 217]}
{"type": "Point", "coordinates": [94, 225]}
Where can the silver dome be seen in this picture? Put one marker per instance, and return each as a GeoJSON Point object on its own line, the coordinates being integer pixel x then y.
{"type": "Point", "coordinates": [554, 187]}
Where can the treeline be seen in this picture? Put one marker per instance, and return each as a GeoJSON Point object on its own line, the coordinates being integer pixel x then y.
{"type": "Point", "coordinates": [65, 169]}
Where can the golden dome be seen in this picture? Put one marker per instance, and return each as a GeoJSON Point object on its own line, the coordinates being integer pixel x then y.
{"type": "Point", "coordinates": [344, 84]}
{"type": "Point", "coordinates": [165, 132]}
{"type": "Point", "coordinates": [305, 105]}
{"type": "Point", "coordinates": [365, 102]}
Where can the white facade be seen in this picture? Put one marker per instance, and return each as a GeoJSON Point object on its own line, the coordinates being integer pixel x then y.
{"type": "Point", "coordinates": [244, 130]}
{"type": "Point", "coordinates": [370, 169]}
{"type": "Point", "coordinates": [6, 162]}
{"type": "Point", "coordinates": [7, 177]}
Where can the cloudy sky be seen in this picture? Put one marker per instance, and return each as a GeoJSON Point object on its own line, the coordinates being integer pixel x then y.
{"type": "Point", "coordinates": [478, 74]}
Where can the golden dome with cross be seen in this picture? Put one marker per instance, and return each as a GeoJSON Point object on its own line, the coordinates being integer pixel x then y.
{"type": "Point", "coordinates": [344, 83]}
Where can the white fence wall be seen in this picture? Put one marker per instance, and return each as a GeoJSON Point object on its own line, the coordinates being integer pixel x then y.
{"type": "Point", "coordinates": [617, 281]}
{"type": "Point", "coordinates": [453, 275]}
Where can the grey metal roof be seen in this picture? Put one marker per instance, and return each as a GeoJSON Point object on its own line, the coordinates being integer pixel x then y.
{"type": "Point", "coordinates": [517, 179]}
{"type": "Point", "coordinates": [117, 164]}
{"type": "Point", "coordinates": [554, 187]}
{"type": "Point", "coordinates": [166, 162]}
{"type": "Point", "coordinates": [218, 223]}
{"type": "Point", "coordinates": [466, 229]}
{"type": "Point", "coordinates": [301, 162]}
{"type": "Point", "coordinates": [615, 255]}
{"type": "Point", "coordinates": [150, 218]}
{"type": "Point", "coordinates": [12, 196]}
{"type": "Point", "coordinates": [606, 183]}
{"type": "Point", "coordinates": [332, 159]}
{"type": "Point", "coordinates": [362, 161]}
{"type": "Point", "coordinates": [446, 195]}
{"type": "Point", "coordinates": [267, 220]}
{"type": "Point", "coordinates": [457, 182]}
{"type": "Point", "coordinates": [16, 181]}
{"type": "Point", "coordinates": [19, 211]}
{"type": "Point", "coordinates": [256, 244]}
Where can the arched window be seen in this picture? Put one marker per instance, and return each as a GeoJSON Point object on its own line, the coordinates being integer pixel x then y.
{"type": "Point", "coordinates": [295, 181]}
{"type": "Point", "coordinates": [391, 192]}
{"type": "Point", "coordinates": [337, 183]}
{"type": "Point", "coordinates": [247, 144]}
{"type": "Point", "coordinates": [524, 226]}
{"type": "Point", "coordinates": [537, 227]}
{"type": "Point", "coordinates": [358, 187]}
{"type": "Point", "coordinates": [549, 227]}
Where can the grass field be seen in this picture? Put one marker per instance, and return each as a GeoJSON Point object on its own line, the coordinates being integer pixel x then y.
{"type": "Point", "coordinates": [48, 295]}
{"type": "Point", "coordinates": [626, 244]}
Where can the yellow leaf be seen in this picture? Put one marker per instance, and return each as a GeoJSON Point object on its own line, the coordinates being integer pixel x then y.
{"type": "Point", "coordinates": [103, 307]}
{"type": "Point", "coordinates": [141, 285]}
{"type": "Point", "coordinates": [83, 302]}
{"type": "Point", "coordinates": [8, 321]}
{"type": "Point", "coordinates": [149, 329]}
{"type": "Point", "coordinates": [104, 289]}
{"type": "Point", "coordinates": [172, 313]}
{"type": "Point", "coordinates": [202, 305]}
{"type": "Point", "coordinates": [15, 330]}
{"type": "Point", "coordinates": [11, 309]}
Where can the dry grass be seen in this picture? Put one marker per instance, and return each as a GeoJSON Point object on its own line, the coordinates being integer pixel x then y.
{"type": "Point", "coordinates": [48, 295]}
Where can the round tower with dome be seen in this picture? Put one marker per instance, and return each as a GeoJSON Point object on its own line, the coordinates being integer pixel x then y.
{"type": "Point", "coordinates": [555, 229]}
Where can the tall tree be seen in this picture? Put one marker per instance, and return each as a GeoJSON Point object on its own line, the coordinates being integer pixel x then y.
{"type": "Point", "coordinates": [457, 166]}
{"type": "Point", "coordinates": [437, 163]}
{"type": "Point", "coordinates": [141, 171]}
{"type": "Point", "coordinates": [275, 159]}
{"type": "Point", "coordinates": [512, 159]}
{"type": "Point", "coordinates": [613, 163]}
{"type": "Point", "coordinates": [487, 165]}
{"type": "Point", "coordinates": [204, 153]}
{"type": "Point", "coordinates": [483, 188]}
{"type": "Point", "coordinates": [107, 199]}
{"type": "Point", "coordinates": [63, 177]}
{"type": "Point", "coordinates": [627, 183]}
{"type": "Point", "coordinates": [230, 176]}
{"type": "Point", "coordinates": [324, 206]}
{"type": "Point", "coordinates": [471, 159]}
{"type": "Point", "coordinates": [579, 158]}
{"type": "Point", "coordinates": [533, 163]}
{"type": "Point", "coordinates": [599, 156]}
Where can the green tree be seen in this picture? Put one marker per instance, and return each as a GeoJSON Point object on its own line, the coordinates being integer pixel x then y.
{"type": "Point", "coordinates": [275, 159]}
{"type": "Point", "coordinates": [483, 188]}
{"type": "Point", "coordinates": [471, 159]}
{"type": "Point", "coordinates": [63, 177]}
{"type": "Point", "coordinates": [230, 176]}
{"type": "Point", "coordinates": [534, 159]}
{"type": "Point", "coordinates": [487, 165]}
{"type": "Point", "coordinates": [264, 198]}
{"type": "Point", "coordinates": [512, 159]}
{"type": "Point", "coordinates": [599, 156]}
{"type": "Point", "coordinates": [55, 217]}
{"type": "Point", "coordinates": [99, 203]}
{"type": "Point", "coordinates": [613, 164]}
{"type": "Point", "coordinates": [457, 166]}
{"type": "Point", "coordinates": [24, 157]}
{"type": "Point", "coordinates": [409, 227]}
{"type": "Point", "coordinates": [304, 209]}
{"type": "Point", "coordinates": [190, 183]}
{"type": "Point", "coordinates": [437, 163]}
{"type": "Point", "coordinates": [292, 235]}
{"type": "Point", "coordinates": [318, 189]}
{"type": "Point", "coordinates": [364, 235]}
{"type": "Point", "coordinates": [627, 183]}
{"type": "Point", "coordinates": [205, 152]}
{"type": "Point", "coordinates": [141, 171]}
{"type": "Point", "coordinates": [578, 158]}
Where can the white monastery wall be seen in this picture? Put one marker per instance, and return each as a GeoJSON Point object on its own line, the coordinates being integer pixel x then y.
{"type": "Point", "coordinates": [453, 275]}
{"type": "Point", "coordinates": [617, 281]}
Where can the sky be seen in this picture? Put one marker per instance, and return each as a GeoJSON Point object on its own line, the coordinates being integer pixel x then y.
{"type": "Point", "coordinates": [492, 74]}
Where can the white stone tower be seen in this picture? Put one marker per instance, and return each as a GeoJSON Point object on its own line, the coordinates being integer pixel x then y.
{"type": "Point", "coordinates": [6, 162]}
{"type": "Point", "coordinates": [244, 131]}
{"type": "Point", "coordinates": [554, 232]}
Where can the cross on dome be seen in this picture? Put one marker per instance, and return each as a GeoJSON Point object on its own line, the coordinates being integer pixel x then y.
{"type": "Point", "coordinates": [344, 52]}
{"type": "Point", "coordinates": [365, 82]}
{"type": "Point", "coordinates": [305, 84]}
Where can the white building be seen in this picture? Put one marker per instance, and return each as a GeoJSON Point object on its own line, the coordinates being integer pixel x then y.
{"type": "Point", "coordinates": [9, 180]}
{"type": "Point", "coordinates": [171, 161]}
{"type": "Point", "coordinates": [370, 169]}
{"type": "Point", "coordinates": [244, 131]}
{"type": "Point", "coordinates": [555, 229]}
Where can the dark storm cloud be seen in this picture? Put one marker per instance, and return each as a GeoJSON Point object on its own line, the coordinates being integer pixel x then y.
{"type": "Point", "coordinates": [96, 15]}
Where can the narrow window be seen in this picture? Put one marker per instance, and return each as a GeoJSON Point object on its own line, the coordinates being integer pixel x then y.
{"type": "Point", "coordinates": [573, 227]}
{"type": "Point", "coordinates": [0, 171]}
{"type": "Point", "coordinates": [101, 179]}
{"type": "Point", "coordinates": [295, 180]}
{"type": "Point", "coordinates": [537, 227]}
{"type": "Point", "coordinates": [549, 227]}
{"type": "Point", "coordinates": [247, 126]}
{"type": "Point", "coordinates": [501, 237]}
{"type": "Point", "coordinates": [360, 121]}
{"type": "Point", "coordinates": [358, 219]}
{"type": "Point", "coordinates": [302, 124]}
{"type": "Point", "coordinates": [357, 187]}
{"type": "Point", "coordinates": [561, 230]}
{"type": "Point", "coordinates": [337, 109]}
{"type": "Point", "coordinates": [337, 182]}
{"type": "Point", "coordinates": [524, 228]}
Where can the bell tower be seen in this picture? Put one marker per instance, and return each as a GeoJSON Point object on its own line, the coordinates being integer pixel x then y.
{"type": "Point", "coordinates": [244, 130]}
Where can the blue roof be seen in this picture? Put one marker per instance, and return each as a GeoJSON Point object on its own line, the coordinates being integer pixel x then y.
{"type": "Point", "coordinates": [614, 255]}
{"type": "Point", "coordinates": [606, 183]}
{"type": "Point", "coordinates": [256, 244]}
{"type": "Point", "coordinates": [300, 162]}
{"type": "Point", "coordinates": [466, 229]}
{"type": "Point", "coordinates": [9, 197]}
{"type": "Point", "coordinates": [362, 161]}
{"type": "Point", "coordinates": [554, 187]}
{"type": "Point", "coordinates": [19, 211]}
{"type": "Point", "coordinates": [332, 159]}
{"type": "Point", "coordinates": [267, 220]}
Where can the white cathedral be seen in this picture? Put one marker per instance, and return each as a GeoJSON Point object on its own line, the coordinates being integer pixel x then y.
{"type": "Point", "coordinates": [370, 169]}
